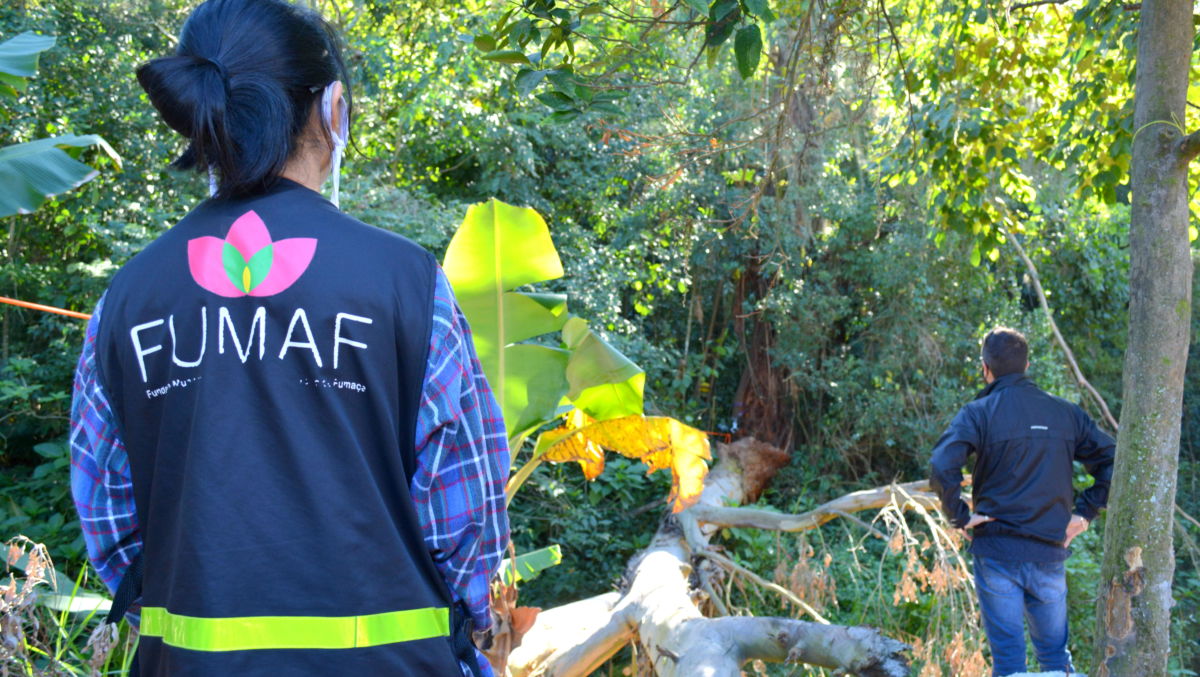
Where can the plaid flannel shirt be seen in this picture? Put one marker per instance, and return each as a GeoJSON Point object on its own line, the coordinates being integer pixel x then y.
{"type": "Point", "coordinates": [462, 465]}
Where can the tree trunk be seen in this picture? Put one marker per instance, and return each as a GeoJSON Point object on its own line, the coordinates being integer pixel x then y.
{"type": "Point", "coordinates": [763, 402]}
{"type": "Point", "coordinates": [1133, 608]}
{"type": "Point", "coordinates": [657, 606]}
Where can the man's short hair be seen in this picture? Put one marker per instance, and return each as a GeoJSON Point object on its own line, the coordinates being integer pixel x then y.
{"type": "Point", "coordinates": [1005, 351]}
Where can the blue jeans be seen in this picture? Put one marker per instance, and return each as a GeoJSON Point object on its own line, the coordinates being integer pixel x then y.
{"type": "Point", "coordinates": [1012, 592]}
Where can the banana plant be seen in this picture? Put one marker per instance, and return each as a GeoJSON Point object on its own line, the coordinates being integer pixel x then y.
{"type": "Point", "coordinates": [594, 391]}
{"type": "Point", "coordinates": [34, 171]}
{"type": "Point", "coordinates": [528, 566]}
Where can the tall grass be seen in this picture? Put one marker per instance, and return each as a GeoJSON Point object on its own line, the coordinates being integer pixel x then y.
{"type": "Point", "coordinates": [46, 625]}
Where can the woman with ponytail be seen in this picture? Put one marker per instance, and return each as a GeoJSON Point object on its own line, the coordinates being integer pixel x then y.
{"type": "Point", "coordinates": [286, 458]}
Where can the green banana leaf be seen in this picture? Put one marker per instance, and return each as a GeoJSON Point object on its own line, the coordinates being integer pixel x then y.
{"type": "Point", "coordinates": [530, 564]}
{"type": "Point", "coordinates": [498, 248]}
{"type": "Point", "coordinates": [34, 171]}
{"type": "Point", "coordinates": [533, 388]}
{"type": "Point", "coordinates": [19, 60]}
{"type": "Point", "coordinates": [603, 382]}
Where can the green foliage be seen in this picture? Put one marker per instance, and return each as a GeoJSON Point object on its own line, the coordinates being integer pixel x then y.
{"type": "Point", "coordinates": [19, 59]}
{"type": "Point", "coordinates": [988, 101]}
{"type": "Point", "coordinates": [63, 253]}
{"type": "Point", "coordinates": [499, 248]}
{"type": "Point", "coordinates": [748, 48]}
{"type": "Point", "coordinates": [36, 502]}
{"type": "Point", "coordinates": [597, 391]}
{"type": "Point", "coordinates": [580, 50]}
{"type": "Point", "coordinates": [31, 172]}
{"type": "Point", "coordinates": [604, 384]}
{"type": "Point", "coordinates": [837, 196]}
{"type": "Point", "coordinates": [599, 525]}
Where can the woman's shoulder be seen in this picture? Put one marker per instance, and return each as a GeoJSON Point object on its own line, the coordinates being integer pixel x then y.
{"type": "Point", "coordinates": [367, 242]}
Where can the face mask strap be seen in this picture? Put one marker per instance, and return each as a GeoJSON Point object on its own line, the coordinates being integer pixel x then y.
{"type": "Point", "coordinates": [212, 182]}
{"type": "Point", "coordinates": [339, 137]}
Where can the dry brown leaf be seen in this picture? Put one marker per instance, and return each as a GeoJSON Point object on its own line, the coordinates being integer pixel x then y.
{"type": "Point", "coordinates": [509, 625]}
{"type": "Point", "coordinates": [14, 554]}
{"type": "Point", "coordinates": [523, 618]}
{"type": "Point", "coordinates": [503, 636]}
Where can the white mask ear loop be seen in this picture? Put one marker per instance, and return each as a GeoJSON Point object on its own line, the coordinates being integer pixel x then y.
{"type": "Point", "coordinates": [339, 137]}
{"type": "Point", "coordinates": [212, 182]}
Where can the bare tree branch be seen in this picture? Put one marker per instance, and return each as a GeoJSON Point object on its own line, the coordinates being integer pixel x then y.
{"type": "Point", "coordinates": [727, 642]}
{"type": "Point", "coordinates": [1062, 343]}
{"type": "Point", "coordinates": [870, 529]}
{"type": "Point", "coordinates": [867, 499]}
{"type": "Point", "coordinates": [908, 93]}
{"type": "Point", "coordinates": [1189, 146]}
{"type": "Point", "coordinates": [582, 635]}
{"type": "Point", "coordinates": [1026, 5]}
{"type": "Point", "coordinates": [1186, 516]}
{"type": "Point", "coordinates": [784, 592]}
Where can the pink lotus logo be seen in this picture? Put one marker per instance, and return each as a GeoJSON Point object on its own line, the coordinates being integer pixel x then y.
{"type": "Point", "coordinates": [247, 262]}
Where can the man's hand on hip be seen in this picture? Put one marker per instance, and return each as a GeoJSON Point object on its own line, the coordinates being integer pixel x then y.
{"type": "Point", "coordinates": [976, 520]}
{"type": "Point", "coordinates": [1076, 526]}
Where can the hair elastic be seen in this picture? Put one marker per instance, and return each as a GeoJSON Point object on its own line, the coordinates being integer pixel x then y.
{"type": "Point", "coordinates": [220, 68]}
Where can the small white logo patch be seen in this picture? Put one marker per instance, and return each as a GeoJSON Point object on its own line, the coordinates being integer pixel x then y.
{"type": "Point", "coordinates": [1038, 427]}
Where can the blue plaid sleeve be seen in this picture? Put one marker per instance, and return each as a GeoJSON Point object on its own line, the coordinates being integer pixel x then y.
{"type": "Point", "coordinates": [101, 484]}
{"type": "Point", "coordinates": [462, 461]}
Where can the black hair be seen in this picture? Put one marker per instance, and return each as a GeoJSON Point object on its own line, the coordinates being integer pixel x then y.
{"type": "Point", "coordinates": [1005, 351]}
{"type": "Point", "coordinates": [241, 87]}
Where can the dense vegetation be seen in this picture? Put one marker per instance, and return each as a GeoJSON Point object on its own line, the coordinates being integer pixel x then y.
{"type": "Point", "coordinates": [829, 231]}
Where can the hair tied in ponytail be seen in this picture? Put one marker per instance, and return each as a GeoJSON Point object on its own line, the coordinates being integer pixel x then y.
{"type": "Point", "coordinates": [220, 69]}
{"type": "Point", "coordinates": [243, 131]}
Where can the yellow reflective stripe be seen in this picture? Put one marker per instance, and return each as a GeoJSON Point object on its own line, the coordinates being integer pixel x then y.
{"type": "Point", "coordinates": [294, 632]}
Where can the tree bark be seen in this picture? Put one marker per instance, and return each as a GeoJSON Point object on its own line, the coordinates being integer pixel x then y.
{"type": "Point", "coordinates": [763, 401]}
{"type": "Point", "coordinates": [867, 499]}
{"type": "Point", "coordinates": [1133, 607]}
{"type": "Point", "coordinates": [658, 606]}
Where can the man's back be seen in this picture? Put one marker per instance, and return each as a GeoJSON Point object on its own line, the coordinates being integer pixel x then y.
{"type": "Point", "coordinates": [1024, 441]}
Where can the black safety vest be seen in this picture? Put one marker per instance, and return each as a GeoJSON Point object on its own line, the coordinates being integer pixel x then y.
{"type": "Point", "coordinates": [264, 359]}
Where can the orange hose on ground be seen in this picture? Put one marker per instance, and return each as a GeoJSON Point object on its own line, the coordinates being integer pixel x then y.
{"type": "Point", "coordinates": [44, 309]}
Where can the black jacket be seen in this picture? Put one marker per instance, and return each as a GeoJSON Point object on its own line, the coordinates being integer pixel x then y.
{"type": "Point", "coordinates": [1024, 442]}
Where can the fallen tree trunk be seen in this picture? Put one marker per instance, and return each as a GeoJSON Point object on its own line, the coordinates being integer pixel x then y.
{"type": "Point", "coordinates": [868, 499]}
{"type": "Point", "coordinates": [658, 607]}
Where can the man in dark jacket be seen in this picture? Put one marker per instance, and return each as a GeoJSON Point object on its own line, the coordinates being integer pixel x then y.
{"type": "Point", "coordinates": [1024, 442]}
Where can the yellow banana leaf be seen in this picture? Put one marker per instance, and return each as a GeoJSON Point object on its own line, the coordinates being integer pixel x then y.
{"type": "Point", "coordinates": [658, 441]}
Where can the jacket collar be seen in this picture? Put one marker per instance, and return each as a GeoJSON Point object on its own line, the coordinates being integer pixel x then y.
{"type": "Point", "coordinates": [1006, 381]}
